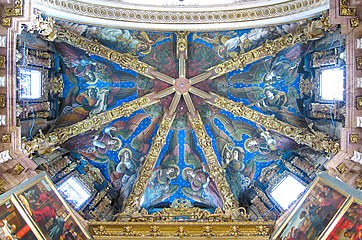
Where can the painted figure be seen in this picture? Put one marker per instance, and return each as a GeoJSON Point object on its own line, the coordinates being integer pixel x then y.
{"type": "Point", "coordinates": [234, 166]}
{"type": "Point", "coordinates": [201, 186]}
{"type": "Point", "coordinates": [159, 187]}
{"type": "Point", "coordinates": [269, 142]}
{"type": "Point", "coordinates": [125, 174]}
{"type": "Point", "coordinates": [95, 144]}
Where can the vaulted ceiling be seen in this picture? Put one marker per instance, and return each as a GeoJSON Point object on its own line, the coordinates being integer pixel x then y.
{"type": "Point", "coordinates": [169, 115]}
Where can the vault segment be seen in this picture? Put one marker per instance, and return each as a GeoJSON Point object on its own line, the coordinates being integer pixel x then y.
{"type": "Point", "coordinates": [182, 87]}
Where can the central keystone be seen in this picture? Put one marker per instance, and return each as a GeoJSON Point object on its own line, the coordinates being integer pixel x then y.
{"type": "Point", "coordinates": [182, 85]}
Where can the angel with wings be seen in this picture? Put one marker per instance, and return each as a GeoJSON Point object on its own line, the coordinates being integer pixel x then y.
{"type": "Point", "coordinates": [79, 67]}
{"type": "Point", "coordinates": [162, 184]}
{"type": "Point", "coordinates": [200, 187]}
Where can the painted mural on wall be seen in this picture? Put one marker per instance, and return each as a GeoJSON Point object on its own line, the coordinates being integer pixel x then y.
{"type": "Point", "coordinates": [281, 85]}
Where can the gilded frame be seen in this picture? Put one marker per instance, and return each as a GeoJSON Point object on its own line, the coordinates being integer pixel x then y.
{"type": "Point", "coordinates": [15, 211]}
{"type": "Point", "coordinates": [322, 180]}
{"type": "Point", "coordinates": [42, 183]}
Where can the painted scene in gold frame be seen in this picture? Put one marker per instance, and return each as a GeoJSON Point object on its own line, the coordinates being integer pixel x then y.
{"type": "Point", "coordinates": [313, 213]}
{"type": "Point", "coordinates": [49, 211]}
{"type": "Point", "coordinates": [349, 225]}
{"type": "Point", "coordinates": [13, 224]}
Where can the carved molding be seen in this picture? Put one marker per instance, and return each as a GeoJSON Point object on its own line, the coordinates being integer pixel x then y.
{"type": "Point", "coordinates": [2, 61]}
{"type": "Point", "coordinates": [359, 63]}
{"type": "Point", "coordinates": [354, 22]}
{"type": "Point", "coordinates": [187, 230]}
{"type": "Point", "coordinates": [342, 168]}
{"type": "Point", "coordinates": [6, 21]}
{"type": "Point", "coordinates": [6, 138]}
{"type": "Point", "coordinates": [2, 100]}
{"type": "Point", "coordinates": [187, 18]}
{"type": "Point", "coordinates": [354, 138]}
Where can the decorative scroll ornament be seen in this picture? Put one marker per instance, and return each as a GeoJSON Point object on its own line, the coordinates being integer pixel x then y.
{"type": "Point", "coordinates": [16, 11]}
{"type": "Point", "coordinates": [181, 43]}
{"type": "Point", "coordinates": [187, 230]}
{"type": "Point", "coordinates": [230, 204]}
{"type": "Point", "coordinates": [45, 143]}
{"type": "Point", "coordinates": [345, 10]}
{"type": "Point", "coordinates": [307, 136]}
{"type": "Point", "coordinates": [132, 205]}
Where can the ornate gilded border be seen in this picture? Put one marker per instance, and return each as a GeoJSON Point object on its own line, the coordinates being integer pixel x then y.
{"type": "Point", "coordinates": [186, 230]}
{"type": "Point", "coordinates": [182, 18]}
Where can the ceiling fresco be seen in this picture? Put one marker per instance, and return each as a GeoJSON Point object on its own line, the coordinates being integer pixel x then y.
{"type": "Point", "coordinates": [183, 82]}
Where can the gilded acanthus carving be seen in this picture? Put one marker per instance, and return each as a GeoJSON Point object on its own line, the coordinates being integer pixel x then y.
{"type": "Point", "coordinates": [132, 205]}
{"type": "Point", "coordinates": [182, 43]}
{"type": "Point", "coordinates": [345, 10]}
{"type": "Point", "coordinates": [307, 136]}
{"type": "Point", "coordinates": [57, 84]}
{"type": "Point", "coordinates": [230, 204]}
{"type": "Point", "coordinates": [181, 229]}
{"type": "Point", "coordinates": [15, 11]}
{"type": "Point", "coordinates": [45, 143]}
{"type": "Point", "coordinates": [313, 30]}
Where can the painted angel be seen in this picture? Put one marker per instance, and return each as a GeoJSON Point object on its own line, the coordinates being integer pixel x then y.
{"type": "Point", "coordinates": [200, 187]}
{"type": "Point", "coordinates": [161, 185]}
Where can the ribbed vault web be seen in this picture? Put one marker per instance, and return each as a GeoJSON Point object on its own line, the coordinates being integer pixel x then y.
{"type": "Point", "coordinates": [182, 115]}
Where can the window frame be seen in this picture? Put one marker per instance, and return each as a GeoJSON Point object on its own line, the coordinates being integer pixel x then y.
{"type": "Point", "coordinates": [277, 182]}
{"type": "Point", "coordinates": [78, 177]}
{"type": "Point", "coordinates": [318, 93]}
{"type": "Point", "coordinates": [21, 71]}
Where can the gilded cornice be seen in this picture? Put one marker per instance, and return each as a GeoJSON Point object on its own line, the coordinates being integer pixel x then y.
{"type": "Point", "coordinates": [178, 229]}
{"type": "Point", "coordinates": [182, 18]}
